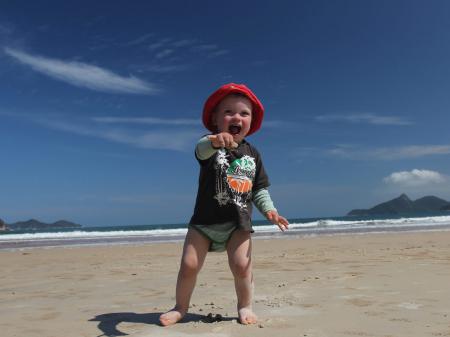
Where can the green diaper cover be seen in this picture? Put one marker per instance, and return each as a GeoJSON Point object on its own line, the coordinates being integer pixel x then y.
{"type": "Point", "coordinates": [218, 234]}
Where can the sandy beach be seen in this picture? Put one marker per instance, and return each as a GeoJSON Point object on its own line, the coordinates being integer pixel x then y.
{"type": "Point", "coordinates": [395, 284]}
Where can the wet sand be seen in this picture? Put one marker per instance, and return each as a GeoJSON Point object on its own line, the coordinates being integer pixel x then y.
{"type": "Point", "coordinates": [393, 284]}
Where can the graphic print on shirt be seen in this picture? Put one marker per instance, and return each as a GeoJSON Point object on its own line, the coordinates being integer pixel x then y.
{"type": "Point", "coordinates": [234, 181]}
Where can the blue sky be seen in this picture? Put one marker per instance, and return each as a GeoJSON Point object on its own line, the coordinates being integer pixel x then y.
{"type": "Point", "coordinates": [100, 103]}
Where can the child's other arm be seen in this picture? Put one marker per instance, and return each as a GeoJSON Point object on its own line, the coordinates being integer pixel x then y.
{"type": "Point", "coordinates": [263, 201]}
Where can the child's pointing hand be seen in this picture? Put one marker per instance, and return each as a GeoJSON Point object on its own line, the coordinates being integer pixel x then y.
{"type": "Point", "coordinates": [223, 140]}
{"type": "Point", "coordinates": [278, 220]}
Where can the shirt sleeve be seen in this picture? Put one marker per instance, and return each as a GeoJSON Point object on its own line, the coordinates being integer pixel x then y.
{"type": "Point", "coordinates": [263, 201]}
{"type": "Point", "coordinates": [204, 149]}
{"type": "Point", "coordinates": [261, 177]}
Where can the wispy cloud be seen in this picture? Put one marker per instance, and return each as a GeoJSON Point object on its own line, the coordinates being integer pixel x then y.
{"type": "Point", "coordinates": [157, 68]}
{"type": "Point", "coordinates": [147, 120]}
{"type": "Point", "coordinates": [218, 53]}
{"type": "Point", "coordinates": [165, 47]}
{"type": "Point", "coordinates": [415, 178]}
{"type": "Point", "coordinates": [83, 75]}
{"type": "Point", "coordinates": [212, 50]}
{"type": "Point", "coordinates": [155, 139]}
{"type": "Point", "coordinates": [174, 121]}
{"type": "Point", "coordinates": [389, 153]}
{"type": "Point", "coordinates": [164, 53]}
{"type": "Point", "coordinates": [160, 43]}
{"type": "Point", "coordinates": [183, 43]}
{"type": "Point", "coordinates": [139, 40]}
{"type": "Point", "coordinates": [205, 47]}
{"type": "Point", "coordinates": [366, 118]}
{"type": "Point", "coordinates": [279, 124]}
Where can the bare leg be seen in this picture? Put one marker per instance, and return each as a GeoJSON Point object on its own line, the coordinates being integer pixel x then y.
{"type": "Point", "coordinates": [239, 251]}
{"type": "Point", "coordinates": [194, 253]}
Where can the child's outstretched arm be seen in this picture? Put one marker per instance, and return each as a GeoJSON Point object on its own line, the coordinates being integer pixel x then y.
{"type": "Point", "coordinates": [204, 148]}
{"type": "Point", "coordinates": [223, 140]}
{"type": "Point", "coordinates": [209, 145]}
{"type": "Point", "coordinates": [264, 203]}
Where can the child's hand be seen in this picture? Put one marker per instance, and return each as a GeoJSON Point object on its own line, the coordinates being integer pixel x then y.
{"type": "Point", "coordinates": [277, 219]}
{"type": "Point", "coordinates": [223, 140]}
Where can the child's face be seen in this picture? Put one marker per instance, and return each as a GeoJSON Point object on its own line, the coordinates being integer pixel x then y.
{"type": "Point", "coordinates": [234, 115]}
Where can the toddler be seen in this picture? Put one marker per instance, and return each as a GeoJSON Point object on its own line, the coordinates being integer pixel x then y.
{"type": "Point", "coordinates": [232, 176]}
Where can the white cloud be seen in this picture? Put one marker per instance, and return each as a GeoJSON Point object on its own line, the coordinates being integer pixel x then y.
{"type": "Point", "coordinates": [205, 47]}
{"type": "Point", "coordinates": [183, 43]}
{"type": "Point", "coordinates": [389, 153]}
{"type": "Point", "coordinates": [147, 120]}
{"type": "Point", "coordinates": [218, 53]}
{"type": "Point", "coordinates": [415, 178]}
{"type": "Point", "coordinates": [364, 118]}
{"type": "Point", "coordinates": [156, 139]}
{"type": "Point", "coordinates": [279, 124]}
{"type": "Point", "coordinates": [83, 75]}
{"type": "Point", "coordinates": [139, 40]}
{"type": "Point", "coordinates": [159, 44]}
{"type": "Point", "coordinates": [164, 53]}
{"type": "Point", "coordinates": [413, 151]}
{"type": "Point", "coordinates": [155, 68]}
{"type": "Point", "coordinates": [174, 121]}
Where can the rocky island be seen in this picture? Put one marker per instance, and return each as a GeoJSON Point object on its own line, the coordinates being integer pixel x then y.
{"type": "Point", "coordinates": [404, 205]}
{"type": "Point", "coordinates": [3, 226]}
{"type": "Point", "coordinates": [34, 224]}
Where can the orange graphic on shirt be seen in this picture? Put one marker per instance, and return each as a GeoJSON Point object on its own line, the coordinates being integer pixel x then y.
{"type": "Point", "coordinates": [239, 184]}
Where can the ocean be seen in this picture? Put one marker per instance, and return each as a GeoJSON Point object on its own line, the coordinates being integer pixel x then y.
{"type": "Point", "coordinates": [115, 235]}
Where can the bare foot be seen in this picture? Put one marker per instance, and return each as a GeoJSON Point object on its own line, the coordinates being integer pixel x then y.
{"type": "Point", "coordinates": [247, 316]}
{"type": "Point", "coordinates": [171, 317]}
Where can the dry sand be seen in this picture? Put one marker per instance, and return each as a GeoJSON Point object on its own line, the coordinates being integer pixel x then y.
{"type": "Point", "coordinates": [395, 284]}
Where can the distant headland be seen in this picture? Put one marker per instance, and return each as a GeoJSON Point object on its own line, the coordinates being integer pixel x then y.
{"type": "Point", "coordinates": [34, 224]}
{"type": "Point", "coordinates": [404, 205]}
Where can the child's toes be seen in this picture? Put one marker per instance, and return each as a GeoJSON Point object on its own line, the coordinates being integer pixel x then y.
{"type": "Point", "coordinates": [247, 316]}
{"type": "Point", "coordinates": [170, 317]}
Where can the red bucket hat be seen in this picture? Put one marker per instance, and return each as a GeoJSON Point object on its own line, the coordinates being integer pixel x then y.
{"type": "Point", "coordinates": [221, 93]}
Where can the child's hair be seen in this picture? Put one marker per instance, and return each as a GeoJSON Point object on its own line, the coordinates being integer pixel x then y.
{"type": "Point", "coordinates": [233, 89]}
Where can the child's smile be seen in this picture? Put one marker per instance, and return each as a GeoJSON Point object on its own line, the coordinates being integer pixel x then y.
{"type": "Point", "coordinates": [234, 129]}
{"type": "Point", "coordinates": [234, 115]}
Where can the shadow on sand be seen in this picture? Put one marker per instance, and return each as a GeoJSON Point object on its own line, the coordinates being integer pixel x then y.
{"type": "Point", "coordinates": [109, 322]}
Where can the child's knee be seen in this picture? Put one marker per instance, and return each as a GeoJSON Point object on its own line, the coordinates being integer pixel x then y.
{"type": "Point", "coordinates": [189, 267]}
{"type": "Point", "coordinates": [241, 268]}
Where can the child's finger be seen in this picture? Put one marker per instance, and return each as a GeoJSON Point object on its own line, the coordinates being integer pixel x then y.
{"type": "Point", "coordinates": [228, 141]}
{"type": "Point", "coordinates": [281, 227]}
{"type": "Point", "coordinates": [284, 221]}
{"type": "Point", "coordinates": [221, 141]}
{"type": "Point", "coordinates": [212, 138]}
{"type": "Point", "coordinates": [217, 140]}
{"type": "Point", "coordinates": [283, 224]}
